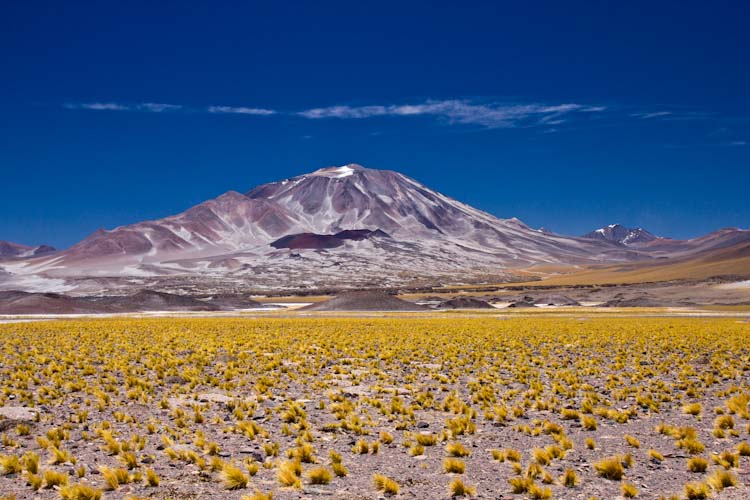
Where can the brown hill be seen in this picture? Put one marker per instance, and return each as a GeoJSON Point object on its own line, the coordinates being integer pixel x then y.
{"type": "Point", "coordinates": [14, 302]}
{"type": "Point", "coordinates": [464, 303]}
{"type": "Point", "coordinates": [150, 300]}
{"type": "Point", "coordinates": [364, 301]}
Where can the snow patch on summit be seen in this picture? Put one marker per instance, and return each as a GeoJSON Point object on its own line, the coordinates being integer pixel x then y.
{"type": "Point", "coordinates": [335, 172]}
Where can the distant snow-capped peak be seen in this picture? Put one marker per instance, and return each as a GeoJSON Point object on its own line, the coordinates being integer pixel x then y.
{"type": "Point", "coordinates": [617, 233]}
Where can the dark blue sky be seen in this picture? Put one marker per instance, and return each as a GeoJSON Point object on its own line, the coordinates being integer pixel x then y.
{"type": "Point", "coordinates": [567, 115]}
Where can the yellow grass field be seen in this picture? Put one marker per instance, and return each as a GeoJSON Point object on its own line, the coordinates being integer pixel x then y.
{"type": "Point", "coordinates": [403, 406]}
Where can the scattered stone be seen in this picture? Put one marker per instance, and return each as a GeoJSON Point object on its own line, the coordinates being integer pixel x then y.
{"type": "Point", "coordinates": [11, 416]}
{"type": "Point", "coordinates": [21, 413]}
{"type": "Point", "coordinates": [318, 491]}
{"type": "Point", "coordinates": [214, 397]}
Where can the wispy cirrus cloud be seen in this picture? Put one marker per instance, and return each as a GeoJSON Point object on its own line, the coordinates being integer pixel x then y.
{"type": "Point", "coordinates": [241, 110]}
{"type": "Point", "coordinates": [653, 114]}
{"type": "Point", "coordinates": [453, 111]}
{"type": "Point", "coordinates": [460, 111]}
{"type": "Point", "coordinates": [158, 107]}
{"type": "Point", "coordinates": [676, 114]}
{"type": "Point", "coordinates": [149, 107]}
{"type": "Point", "coordinates": [97, 106]}
{"type": "Point", "coordinates": [475, 114]}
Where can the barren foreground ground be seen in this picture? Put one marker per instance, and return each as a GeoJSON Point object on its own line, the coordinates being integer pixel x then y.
{"type": "Point", "coordinates": [488, 407]}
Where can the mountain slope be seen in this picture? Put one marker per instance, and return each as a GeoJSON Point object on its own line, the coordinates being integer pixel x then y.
{"type": "Point", "coordinates": [728, 261]}
{"type": "Point", "coordinates": [717, 240]}
{"type": "Point", "coordinates": [225, 224]}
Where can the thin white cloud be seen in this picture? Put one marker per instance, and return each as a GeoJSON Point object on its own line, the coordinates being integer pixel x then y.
{"type": "Point", "coordinates": [158, 107]}
{"type": "Point", "coordinates": [240, 110]}
{"type": "Point", "coordinates": [98, 106]}
{"type": "Point", "coordinates": [149, 107]}
{"type": "Point", "coordinates": [459, 111]}
{"type": "Point", "coordinates": [593, 109]}
{"type": "Point", "coordinates": [344, 112]}
{"type": "Point", "coordinates": [655, 114]}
